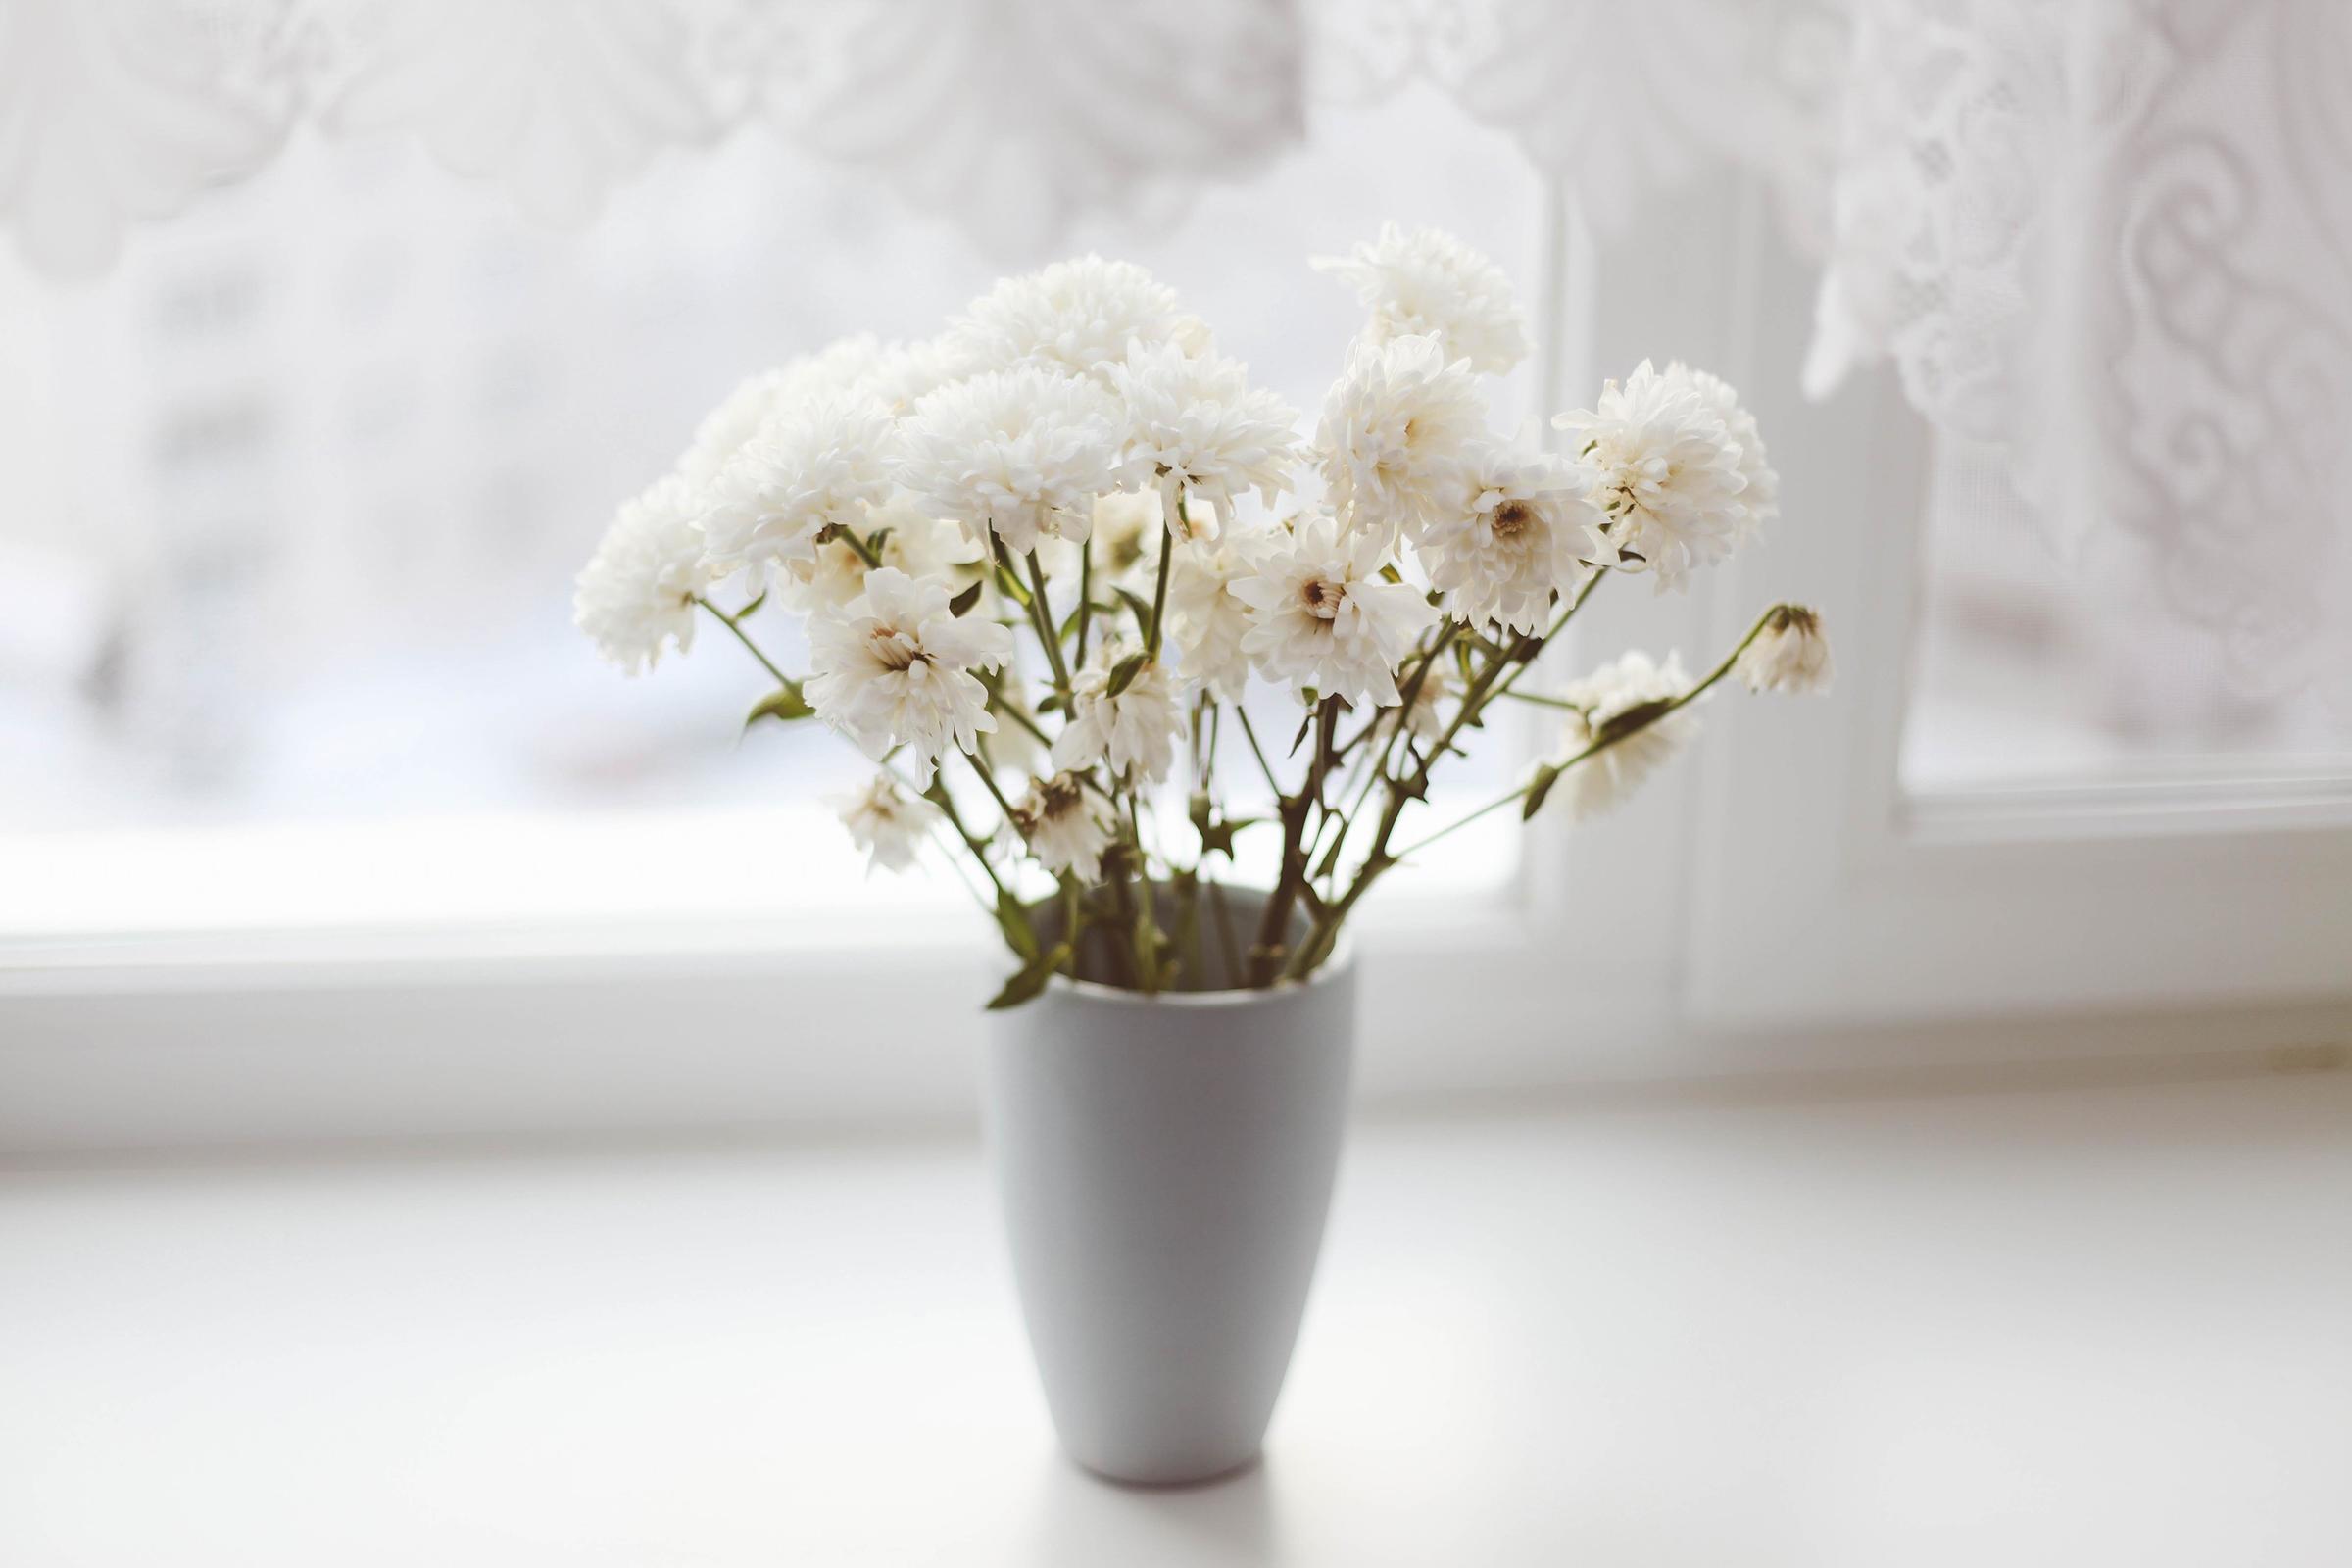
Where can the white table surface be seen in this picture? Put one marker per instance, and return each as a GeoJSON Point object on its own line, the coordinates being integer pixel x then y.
{"type": "Point", "coordinates": [2086, 1326]}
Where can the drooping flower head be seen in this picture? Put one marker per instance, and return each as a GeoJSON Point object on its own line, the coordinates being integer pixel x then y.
{"type": "Point", "coordinates": [636, 594]}
{"type": "Point", "coordinates": [885, 821]}
{"type": "Point", "coordinates": [1323, 618]}
{"type": "Point", "coordinates": [1392, 433]}
{"type": "Point", "coordinates": [1791, 654]}
{"type": "Point", "coordinates": [1427, 281]}
{"type": "Point", "coordinates": [893, 667]}
{"type": "Point", "coordinates": [1134, 728]}
{"type": "Point", "coordinates": [1194, 422]}
{"type": "Point", "coordinates": [1516, 539]}
{"type": "Point", "coordinates": [1074, 318]}
{"type": "Point", "coordinates": [1679, 489]}
{"type": "Point", "coordinates": [1619, 702]}
{"type": "Point", "coordinates": [1019, 453]}
{"type": "Point", "coordinates": [1065, 827]}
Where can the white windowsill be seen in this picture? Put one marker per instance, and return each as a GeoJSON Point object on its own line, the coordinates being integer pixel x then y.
{"type": "Point", "coordinates": [2095, 1325]}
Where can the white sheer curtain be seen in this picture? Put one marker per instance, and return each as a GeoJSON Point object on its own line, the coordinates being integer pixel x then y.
{"type": "Point", "coordinates": [2109, 240]}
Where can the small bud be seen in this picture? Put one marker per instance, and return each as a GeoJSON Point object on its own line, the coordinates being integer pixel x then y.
{"type": "Point", "coordinates": [1791, 654]}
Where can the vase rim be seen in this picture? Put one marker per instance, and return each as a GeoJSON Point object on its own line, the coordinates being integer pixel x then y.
{"type": "Point", "coordinates": [1342, 963]}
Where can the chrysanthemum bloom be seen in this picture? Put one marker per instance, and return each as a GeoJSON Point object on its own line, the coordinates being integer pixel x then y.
{"type": "Point", "coordinates": [1791, 654]}
{"type": "Point", "coordinates": [1135, 729]}
{"type": "Point", "coordinates": [1125, 540]}
{"type": "Point", "coordinates": [893, 667]}
{"type": "Point", "coordinates": [1427, 281]}
{"type": "Point", "coordinates": [1617, 703]}
{"type": "Point", "coordinates": [1516, 538]}
{"type": "Point", "coordinates": [637, 592]}
{"type": "Point", "coordinates": [909, 537]}
{"type": "Point", "coordinates": [1194, 422]}
{"type": "Point", "coordinates": [1392, 430]}
{"type": "Point", "coordinates": [812, 466]}
{"type": "Point", "coordinates": [838, 368]}
{"type": "Point", "coordinates": [1066, 828]}
{"type": "Point", "coordinates": [1075, 318]}
{"type": "Point", "coordinates": [885, 821]}
{"type": "Point", "coordinates": [1433, 704]}
{"type": "Point", "coordinates": [1206, 620]}
{"type": "Point", "coordinates": [1322, 617]}
{"type": "Point", "coordinates": [1760, 501]}
{"type": "Point", "coordinates": [1019, 453]}
{"type": "Point", "coordinates": [1678, 488]}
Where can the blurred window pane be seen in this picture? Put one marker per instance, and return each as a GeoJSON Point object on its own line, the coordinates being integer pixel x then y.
{"type": "Point", "coordinates": [300, 487]}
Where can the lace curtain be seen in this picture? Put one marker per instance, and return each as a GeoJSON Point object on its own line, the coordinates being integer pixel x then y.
{"type": "Point", "coordinates": [2112, 237]}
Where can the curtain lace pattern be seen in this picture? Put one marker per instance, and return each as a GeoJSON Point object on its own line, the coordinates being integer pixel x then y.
{"type": "Point", "coordinates": [2113, 237]}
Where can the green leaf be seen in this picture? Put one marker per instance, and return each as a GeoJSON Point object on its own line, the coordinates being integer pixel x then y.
{"type": "Point", "coordinates": [961, 605]}
{"type": "Point", "coordinates": [1537, 788]}
{"type": "Point", "coordinates": [785, 703]}
{"type": "Point", "coordinates": [1123, 673]}
{"type": "Point", "coordinates": [758, 599]}
{"type": "Point", "coordinates": [1638, 717]}
{"type": "Point", "coordinates": [1013, 921]}
{"type": "Point", "coordinates": [1142, 611]}
{"type": "Point", "coordinates": [1331, 856]}
{"type": "Point", "coordinates": [1051, 702]}
{"type": "Point", "coordinates": [1010, 587]}
{"type": "Point", "coordinates": [1304, 724]}
{"type": "Point", "coordinates": [1031, 979]}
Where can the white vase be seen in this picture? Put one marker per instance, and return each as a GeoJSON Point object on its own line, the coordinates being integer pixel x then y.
{"type": "Point", "coordinates": [1165, 1165]}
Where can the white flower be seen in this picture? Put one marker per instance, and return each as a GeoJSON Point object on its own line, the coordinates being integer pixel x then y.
{"type": "Point", "coordinates": [1322, 616]}
{"type": "Point", "coordinates": [1630, 681]}
{"type": "Point", "coordinates": [1789, 654]}
{"type": "Point", "coordinates": [1135, 729]}
{"type": "Point", "coordinates": [1666, 466]}
{"type": "Point", "coordinates": [637, 592]}
{"type": "Point", "coordinates": [812, 464]}
{"type": "Point", "coordinates": [1206, 620]}
{"type": "Point", "coordinates": [1022, 453]}
{"type": "Point", "coordinates": [1075, 318]}
{"type": "Point", "coordinates": [903, 372]}
{"type": "Point", "coordinates": [885, 821]}
{"type": "Point", "coordinates": [911, 539]}
{"type": "Point", "coordinates": [1194, 421]}
{"type": "Point", "coordinates": [1513, 542]}
{"type": "Point", "coordinates": [1125, 540]}
{"type": "Point", "coordinates": [1393, 431]}
{"type": "Point", "coordinates": [1064, 827]}
{"type": "Point", "coordinates": [1760, 501]}
{"type": "Point", "coordinates": [1429, 281]}
{"type": "Point", "coordinates": [840, 368]}
{"type": "Point", "coordinates": [893, 667]}
{"type": "Point", "coordinates": [1427, 718]}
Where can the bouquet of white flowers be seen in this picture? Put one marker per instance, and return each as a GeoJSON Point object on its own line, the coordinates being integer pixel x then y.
{"type": "Point", "coordinates": [1045, 555]}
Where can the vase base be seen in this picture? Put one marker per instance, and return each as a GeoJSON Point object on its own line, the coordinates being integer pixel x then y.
{"type": "Point", "coordinates": [1170, 1478]}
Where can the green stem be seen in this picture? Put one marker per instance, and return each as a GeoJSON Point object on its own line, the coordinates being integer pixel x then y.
{"type": "Point", "coordinates": [865, 552]}
{"type": "Point", "coordinates": [744, 638]}
{"type": "Point", "coordinates": [1086, 597]}
{"type": "Point", "coordinates": [1167, 557]}
{"type": "Point", "coordinates": [1041, 611]}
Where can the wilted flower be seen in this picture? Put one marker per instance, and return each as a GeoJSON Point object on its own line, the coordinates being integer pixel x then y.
{"type": "Point", "coordinates": [1790, 654]}
{"type": "Point", "coordinates": [1622, 703]}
